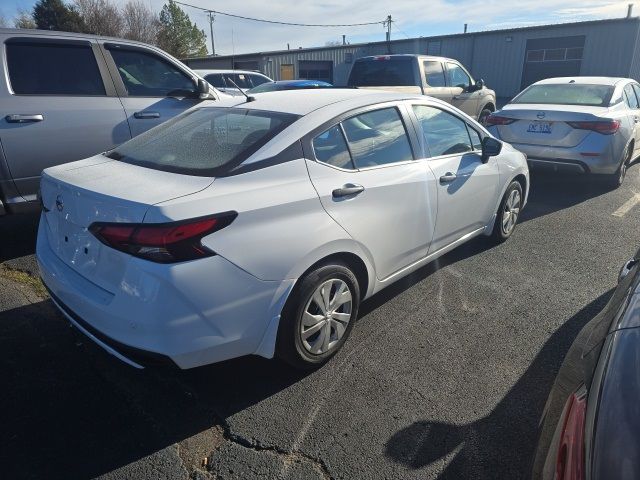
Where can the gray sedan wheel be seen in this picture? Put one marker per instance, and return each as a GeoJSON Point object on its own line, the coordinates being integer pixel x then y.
{"type": "Point", "coordinates": [318, 316]}
{"type": "Point", "coordinates": [617, 179]}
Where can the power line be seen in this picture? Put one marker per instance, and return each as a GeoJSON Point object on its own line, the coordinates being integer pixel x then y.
{"type": "Point", "coordinates": [282, 23]}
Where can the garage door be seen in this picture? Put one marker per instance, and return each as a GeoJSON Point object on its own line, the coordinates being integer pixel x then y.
{"type": "Point", "coordinates": [316, 70]}
{"type": "Point", "coordinates": [552, 57]}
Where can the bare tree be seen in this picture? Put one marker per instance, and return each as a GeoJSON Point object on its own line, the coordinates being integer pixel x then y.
{"type": "Point", "coordinates": [140, 22]}
{"type": "Point", "coordinates": [24, 20]}
{"type": "Point", "coordinates": [101, 17]}
{"type": "Point", "coordinates": [3, 21]}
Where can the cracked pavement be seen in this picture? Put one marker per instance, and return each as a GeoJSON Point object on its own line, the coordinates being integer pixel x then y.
{"type": "Point", "coordinates": [445, 374]}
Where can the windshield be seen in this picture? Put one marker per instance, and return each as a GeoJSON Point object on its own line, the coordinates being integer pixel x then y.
{"type": "Point", "coordinates": [383, 72]}
{"type": "Point", "coordinates": [567, 94]}
{"type": "Point", "coordinates": [204, 141]}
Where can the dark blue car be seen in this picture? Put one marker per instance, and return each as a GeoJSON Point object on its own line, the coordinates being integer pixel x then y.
{"type": "Point", "coordinates": [289, 85]}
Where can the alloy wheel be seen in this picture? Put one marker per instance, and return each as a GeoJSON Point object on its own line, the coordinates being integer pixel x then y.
{"type": "Point", "coordinates": [326, 316]}
{"type": "Point", "coordinates": [511, 212]}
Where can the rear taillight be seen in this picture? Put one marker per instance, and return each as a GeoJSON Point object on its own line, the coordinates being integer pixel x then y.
{"type": "Point", "coordinates": [606, 127]}
{"type": "Point", "coordinates": [498, 120]}
{"type": "Point", "coordinates": [162, 242]}
{"type": "Point", "coordinates": [570, 460]}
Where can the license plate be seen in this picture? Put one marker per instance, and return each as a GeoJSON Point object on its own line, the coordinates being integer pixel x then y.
{"type": "Point", "coordinates": [539, 127]}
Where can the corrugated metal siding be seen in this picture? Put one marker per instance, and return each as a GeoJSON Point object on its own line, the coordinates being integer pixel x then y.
{"type": "Point", "coordinates": [611, 49]}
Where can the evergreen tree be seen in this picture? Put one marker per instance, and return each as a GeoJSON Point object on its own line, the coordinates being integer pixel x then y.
{"type": "Point", "coordinates": [55, 15]}
{"type": "Point", "coordinates": [178, 35]}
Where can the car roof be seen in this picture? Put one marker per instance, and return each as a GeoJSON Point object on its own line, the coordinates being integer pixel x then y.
{"type": "Point", "coordinates": [612, 81]}
{"type": "Point", "coordinates": [28, 32]}
{"type": "Point", "coordinates": [207, 71]}
{"type": "Point", "coordinates": [302, 102]}
{"type": "Point", "coordinates": [416, 55]}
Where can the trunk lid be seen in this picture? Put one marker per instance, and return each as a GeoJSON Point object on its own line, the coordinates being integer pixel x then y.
{"type": "Point", "coordinates": [547, 124]}
{"type": "Point", "coordinates": [100, 189]}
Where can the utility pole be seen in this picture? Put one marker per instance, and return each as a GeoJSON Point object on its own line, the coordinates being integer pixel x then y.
{"type": "Point", "coordinates": [388, 25]}
{"type": "Point", "coordinates": [213, 47]}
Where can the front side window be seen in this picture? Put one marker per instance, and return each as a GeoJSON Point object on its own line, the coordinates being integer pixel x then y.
{"type": "Point", "coordinates": [457, 76]}
{"type": "Point", "coordinates": [331, 148]}
{"type": "Point", "coordinates": [434, 74]}
{"type": "Point", "coordinates": [215, 79]}
{"type": "Point", "coordinates": [377, 138]}
{"type": "Point", "coordinates": [630, 95]}
{"type": "Point", "coordinates": [445, 134]}
{"type": "Point", "coordinates": [54, 69]}
{"type": "Point", "coordinates": [147, 75]}
{"type": "Point", "coordinates": [204, 141]}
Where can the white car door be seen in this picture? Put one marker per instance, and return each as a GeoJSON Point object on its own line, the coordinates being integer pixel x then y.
{"type": "Point", "coordinates": [467, 187]}
{"type": "Point", "coordinates": [367, 179]}
{"type": "Point", "coordinates": [152, 88]}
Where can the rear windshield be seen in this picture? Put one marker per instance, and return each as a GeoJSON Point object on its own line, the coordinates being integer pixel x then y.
{"type": "Point", "coordinates": [383, 72]}
{"type": "Point", "coordinates": [567, 94]}
{"type": "Point", "coordinates": [203, 142]}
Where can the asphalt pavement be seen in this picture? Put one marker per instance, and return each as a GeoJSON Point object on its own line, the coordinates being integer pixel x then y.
{"type": "Point", "coordinates": [445, 374]}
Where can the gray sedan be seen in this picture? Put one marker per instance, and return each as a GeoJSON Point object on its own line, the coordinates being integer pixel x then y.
{"type": "Point", "coordinates": [579, 125]}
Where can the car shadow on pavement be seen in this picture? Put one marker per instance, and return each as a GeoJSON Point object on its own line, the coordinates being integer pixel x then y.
{"type": "Point", "coordinates": [18, 236]}
{"type": "Point", "coordinates": [551, 193]}
{"type": "Point", "coordinates": [502, 443]}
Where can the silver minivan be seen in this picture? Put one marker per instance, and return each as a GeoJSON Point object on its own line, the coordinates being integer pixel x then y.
{"type": "Point", "coordinates": [67, 96]}
{"type": "Point", "coordinates": [439, 77]}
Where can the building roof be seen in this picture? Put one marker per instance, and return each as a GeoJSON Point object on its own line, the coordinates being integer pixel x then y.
{"type": "Point", "coordinates": [435, 37]}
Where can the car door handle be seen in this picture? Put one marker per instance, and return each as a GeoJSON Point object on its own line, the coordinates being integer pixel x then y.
{"type": "Point", "coordinates": [347, 189]}
{"type": "Point", "coordinates": [448, 177]}
{"type": "Point", "coordinates": [143, 115]}
{"type": "Point", "coordinates": [18, 118]}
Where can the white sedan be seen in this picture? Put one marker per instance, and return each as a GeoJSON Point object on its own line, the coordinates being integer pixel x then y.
{"type": "Point", "coordinates": [260, 227]}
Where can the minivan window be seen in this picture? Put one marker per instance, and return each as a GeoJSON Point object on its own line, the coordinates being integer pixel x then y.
{"type": "Point", "coordinates": [383, 71]}
{"type": "Point", "coordinates": [457, 76]}
{"type": "Point", "coordinates": [55, 69]}
{"type": "Point", "coordinates": [331, 148]}
{"type": "Point", "coordinates": [377, 138]}
{"type": "Point", "coordinates": [567, 94]}
{"type": "Point", "coordinates": [204, 141]}
{"type": "Point", "coordinates": [258, 80]}
{"type": "Point", "coordinates": [434, 74]}
{"type": "Point", "coordinates": [147, 75]}
{"type": "Point", "coordinates": [444, 133]}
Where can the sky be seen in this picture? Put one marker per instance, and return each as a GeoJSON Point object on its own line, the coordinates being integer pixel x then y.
{"type": "Point", "coordinates": [411, 18]}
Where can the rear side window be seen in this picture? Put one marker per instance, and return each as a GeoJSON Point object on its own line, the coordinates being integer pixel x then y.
{"type": "Point", "coordinates": [55, 69]}
{"type": "Point", "coordinates": [331, 148]}
{"type": "Point", "coordinates": [377, 138]}
{"type": "Point", "coordinates": [204, 142]}
{"type": "Point", "coordinates": [630, 97]}
{"type": "Point", "coordinates": [147, 75]}
{"type": "Point", "coordinates": [215, 79]}
{"type": "Point", "coordinates": [383, 71]}
{"type": "Point", "coordinates": [444, 133]}
{"type": "Point", "coordinates": [434, 74]}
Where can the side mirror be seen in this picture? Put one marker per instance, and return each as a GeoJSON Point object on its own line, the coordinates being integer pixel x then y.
{"type": "Point", "coordinates": [490, 148]}
{"type": "Point", "coordinates": [480, 84]}
{"type": "Point", "coordinates": [203, 89]}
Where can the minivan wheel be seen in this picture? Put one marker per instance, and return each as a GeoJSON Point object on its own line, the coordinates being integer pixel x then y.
{"type": "Point", "coordinates": [318, 316]}
{"type": "Point", "coordinates": [509, 212]}
{"type": "Point", "coordinates": [617, 179]}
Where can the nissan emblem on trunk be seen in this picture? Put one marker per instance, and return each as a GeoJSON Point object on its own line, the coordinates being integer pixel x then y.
{"type": "Point", "coordinates": [541, 115]}
{"type": "Point", "coordinates": [59, 203]}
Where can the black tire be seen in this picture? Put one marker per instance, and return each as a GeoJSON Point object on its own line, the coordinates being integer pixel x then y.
{"type": "Point", "coordinates": [617, 179]}
{"type": "Point", "coordinates": [290, 345]}
{"type": "Point", "coordinates": [484, 114]}
{"type": "Point", "coordinates": [500, 232]}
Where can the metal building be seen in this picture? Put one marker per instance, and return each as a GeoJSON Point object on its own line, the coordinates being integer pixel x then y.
{"type": "Point", "coordinates": [508, 60]}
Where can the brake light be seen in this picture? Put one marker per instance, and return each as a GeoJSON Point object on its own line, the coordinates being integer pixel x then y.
{"type": "Point", "coordinates": [570, 460]}
{"type": "Point", "coordinates": [498, 120]}
{"type": "Point", "coordinates": [606, 127]}
{"type": "Point", "coordinates": [162, 242]}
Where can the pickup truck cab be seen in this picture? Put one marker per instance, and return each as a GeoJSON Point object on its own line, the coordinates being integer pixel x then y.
{"type": "Point", "coordinates": [67, 96]}
{"type": "Point", "coordinates": [439, 77]}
